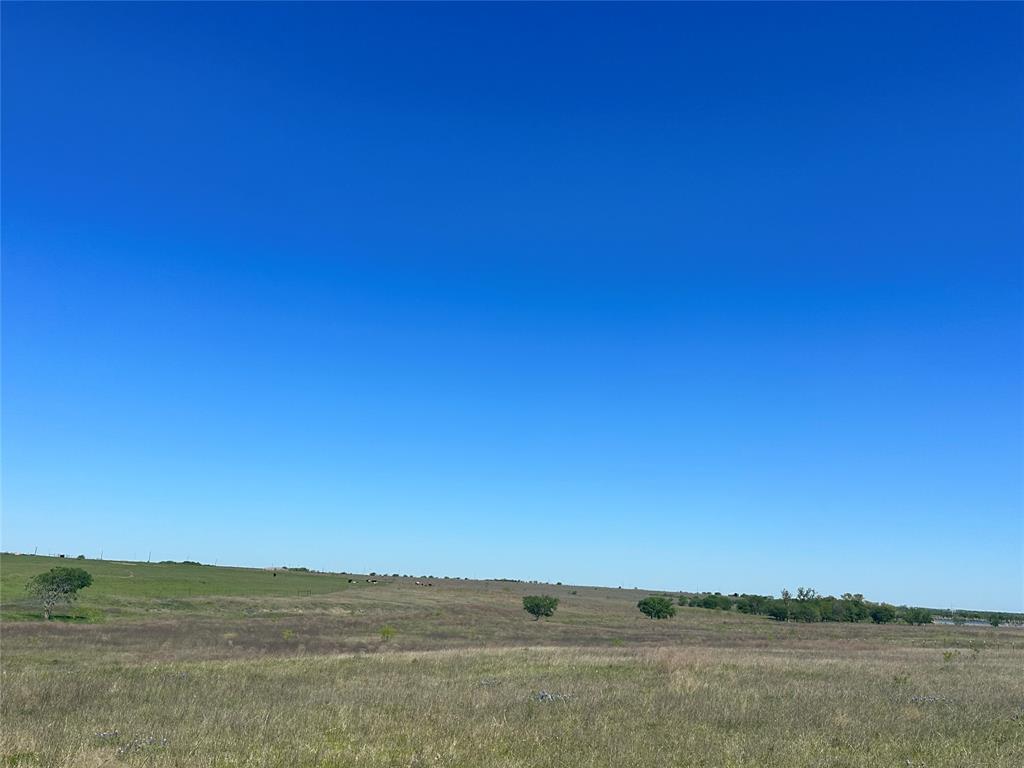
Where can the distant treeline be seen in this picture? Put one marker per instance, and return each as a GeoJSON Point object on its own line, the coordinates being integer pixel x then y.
{"type": "Point", "coordinates": [808, 606]}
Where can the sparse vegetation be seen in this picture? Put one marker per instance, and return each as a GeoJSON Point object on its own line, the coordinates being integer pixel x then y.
{"type": "Point", "coordinates": [277, 679]}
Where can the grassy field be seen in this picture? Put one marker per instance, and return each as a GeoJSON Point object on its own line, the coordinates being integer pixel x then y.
{"type": "Point", "coordinates": [248, 669]}
{"type": "Point", "coordinates": [125, 589]}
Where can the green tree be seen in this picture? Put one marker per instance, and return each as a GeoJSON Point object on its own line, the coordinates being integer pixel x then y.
{"type": "Point", "coordinates": [804, 594]}
{"type": "Point", "coordinates": [917, 616]}
{"type": "Point", "coordinates": [805, 610]}
{"type": "Point", "coordinates": [995, 619]}
{"type": "Point", "coordinates": [853, 608]}
{"type": "Point", "coordinates": [882, 613]}
{"type": "Point", "coordinates": [657, 607]}
{"type": "Point", "coordinates": [540, 605]}
{"type": "Point", "coordinates": [57, 585]}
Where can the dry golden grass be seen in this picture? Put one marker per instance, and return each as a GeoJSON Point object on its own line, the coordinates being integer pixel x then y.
{"type": "Point", "coordinates": [278, 681]}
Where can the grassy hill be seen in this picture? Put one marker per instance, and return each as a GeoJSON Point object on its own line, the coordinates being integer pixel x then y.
{"type": "Point", "coordinates": [185, 665]}
{"type": "Point", "coordinates": [125, 587]}
{"type": "Point", "coordinates": [118, 587]}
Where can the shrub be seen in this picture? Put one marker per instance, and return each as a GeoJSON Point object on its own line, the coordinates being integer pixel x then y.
{"type": "Point", "coordinates": [540, 605]}
{"type": "Point", "coordinates": [778, 610]}
{"type": "Point", "coordinates": [657, 607]}
{"type": "Point", "coordinates": [387, 632]}
{"type": "Point", "coordinates": [57, 585]}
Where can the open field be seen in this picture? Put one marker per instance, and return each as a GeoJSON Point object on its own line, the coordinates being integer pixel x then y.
{"type": "Point", "coordinates": [256, 670]}
{"type": "Point", "coordinates": [123, 589]}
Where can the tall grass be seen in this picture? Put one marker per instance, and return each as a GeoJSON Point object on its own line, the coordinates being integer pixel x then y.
{"type": "Point", "coordinates": [693, 706]}
{"type": "Point", "coordinates": [459, 675]}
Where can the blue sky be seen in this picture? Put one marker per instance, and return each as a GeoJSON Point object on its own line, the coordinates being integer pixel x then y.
{"type": "Point", "coordinates": [681, 296]}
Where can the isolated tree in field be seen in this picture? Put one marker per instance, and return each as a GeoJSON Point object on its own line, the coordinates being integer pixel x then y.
{"type": "Point", "coordinates": [657, 607]}
{"type": "Point", "coordinates": [540, 605]}
{"type": "Point", "coordinates": [57, 585]}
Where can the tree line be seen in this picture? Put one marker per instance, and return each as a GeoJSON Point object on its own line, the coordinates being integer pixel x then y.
{"type": "Point", "coordinates": [808, 606]}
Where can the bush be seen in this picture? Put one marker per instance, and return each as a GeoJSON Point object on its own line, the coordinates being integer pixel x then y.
{"type": "Point", "coordinates": [657, 607]}
{"type": "Point", "coordinates": [778, 610]}
{"type": "Point", "coordinates": [540, 605]}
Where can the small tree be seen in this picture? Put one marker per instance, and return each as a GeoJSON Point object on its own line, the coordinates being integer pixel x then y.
{"type": "Point", "coordinates": [995, 619]}
{"type": "Point", "coordinates": [540, 605]}
{"type": "Point", "coordinates": [57, 585]}
{"type": "Point", "coordinates": [657, 607]}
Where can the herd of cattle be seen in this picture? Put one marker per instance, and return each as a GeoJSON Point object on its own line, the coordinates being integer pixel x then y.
{"type": "Point", "coordinates": [374, 581]}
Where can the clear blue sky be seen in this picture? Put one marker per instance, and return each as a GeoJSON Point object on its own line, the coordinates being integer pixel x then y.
{"type": "Point", "coordinates": [681, 296]}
